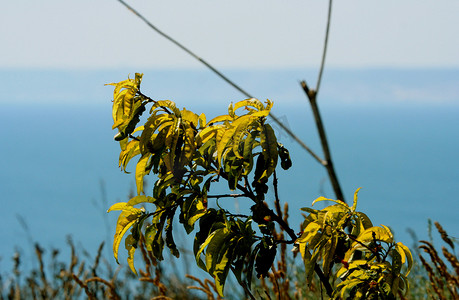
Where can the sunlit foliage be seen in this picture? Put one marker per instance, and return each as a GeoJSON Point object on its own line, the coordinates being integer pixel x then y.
{"type": "Point", "coordinates": [187, 154]}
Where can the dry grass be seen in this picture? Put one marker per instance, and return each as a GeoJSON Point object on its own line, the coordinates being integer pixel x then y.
{"type": "Point", "coordinates": [444, 279]}
{"type": "Point", "coordinates": [79, 279]}
{"type": "Point", "coordinates": [435, 276]}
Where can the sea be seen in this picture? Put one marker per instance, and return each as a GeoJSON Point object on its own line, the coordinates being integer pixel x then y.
{"type": "Point", "coordinates": [392, 132]}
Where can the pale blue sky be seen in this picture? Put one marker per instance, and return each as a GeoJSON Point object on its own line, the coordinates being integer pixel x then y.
{"type": "Point", "coordinates": [88, 34]}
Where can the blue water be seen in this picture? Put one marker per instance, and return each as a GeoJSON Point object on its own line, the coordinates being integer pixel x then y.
{"type": "Point", "coordinates": [393, 132]}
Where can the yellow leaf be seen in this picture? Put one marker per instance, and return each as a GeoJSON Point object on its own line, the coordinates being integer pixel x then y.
{"type": "Point", "coordinates": [406, 255]}
{"type": "Point", "coordinates": [166, 104]}
{"type": "Point", "coordinates": [131, 150]}
{"type": "Point", "coordinates": [124, 207]}
{"type": "Point", "coordinates": [231, 110]}
{"type": "Point", "coordinates": [354, 205]}
{"type": "Point", "coordinates": [242, 129]}
{"type": "Point", "coordinates": [329, 253]}
{"type": "Point", "coordinates": [173, 134]}
{"type": "Point", "coordinates": [327, 199]}
{"type": "Point", "coordinates": [363, 222]}
{"type": "Point", "coordinates": [219, 119]}
{"type": "Point", "coordinates": [130, 245]}
{"type": "Point", "coordinates": [140, 172]}
{"type": "Point", "coordinates": [140, 199]}
{"type": "Point", "coordinates": [207, 133]}
{"type": "Point", "coordinates": [203, 246]}
{"type": "Point", "coordinates": [202, 121]}
{"type": "Point", "coordinates": [227, 136]}
{"type": "Point", "coordinates": [348, 286]}
{"type": "Point", "coordinates": [308, 233]}
{"type": "Point", "coordinates": [125, 221]}
{"type": "Point", "coordinates": [380, 234]}
{"type": "Point", "coordinates": [249, 102]}
{"type": "Point", "coordinates": [190, 117]}
{"type": "Point", "coordinates": [341, 272]}
{"type": "Point", "coordinates": [123, 100]}
{"type": "Point", "coordinates": [140, 128]}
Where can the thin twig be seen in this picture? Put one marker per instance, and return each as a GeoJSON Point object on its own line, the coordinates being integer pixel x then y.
{"type": "Point", "coordinates": [276, 195]}
{"type": "Point", "coordinates": [222, 76]}
{"type": "Point", "coordinates": [227, 195]}
{"type": "Point", "coordinates": [168, 37]}
{"type": "Point", "coordinates": [324, 52]}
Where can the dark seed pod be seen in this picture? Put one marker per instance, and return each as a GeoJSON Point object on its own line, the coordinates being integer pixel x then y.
{"type": "Point", "coordinates": [284, 155]}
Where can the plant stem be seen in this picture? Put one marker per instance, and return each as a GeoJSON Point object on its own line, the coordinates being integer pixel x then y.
{"type": "Point", "coordinates": [324, 52]}
{"type": "Point", "coordinates": [276, 195]}
{"type": "Point", "coordinates": [328, 163]}
{"type": "Point", "coordinates": [227, 195]}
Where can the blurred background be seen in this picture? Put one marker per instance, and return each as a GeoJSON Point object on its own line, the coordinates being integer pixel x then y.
{"type": "Point", "coordinates": [389, 99]}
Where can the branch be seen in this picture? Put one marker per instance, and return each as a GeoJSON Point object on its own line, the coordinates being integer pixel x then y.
{"type": "Point", "coordinates": [154, 101]}
{"type": "Point", "coordinates": [312, 96]}
{"type": "Point", "coordinates": [324, 280]}
{"type": "Point", "coordinates": [222, 76]}
{"type": "Point", "coordinates": [227, 195]}
{"type": "Point", "coordinates": [276, 195]}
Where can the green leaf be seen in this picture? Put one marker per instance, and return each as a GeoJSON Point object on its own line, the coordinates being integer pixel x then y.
{"type": "Point", "coordinates": [161, 185]}
{"type": "Point", "coordinates": [208, 224]}
{"type": "Point", "coordinates": [329, 254]}
{"type": "Point", "coordinates": [193, 209]}
{"type": "Point", "coordinates": [221, 265]}
{"type": "Point", "coordinates": [365, 221]}
{"type": "Point", "coordinates": [214, 246]}
{"type": "Point", "coordinates": [310, 263]}
{"type": "Point", "coordinates": [397, 262]}
{"type": "Point", "coordinates": [249, 144]}
{"type": "Point", "coordinates": [268, 142]}
{"type": "Point", "coordinates": [157, 244]}
{"type": "Point", "coordinates": [169, 236]}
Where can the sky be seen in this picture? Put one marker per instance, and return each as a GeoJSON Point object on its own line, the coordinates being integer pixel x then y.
{"type": "Point", "coordinates": [88, 34]}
